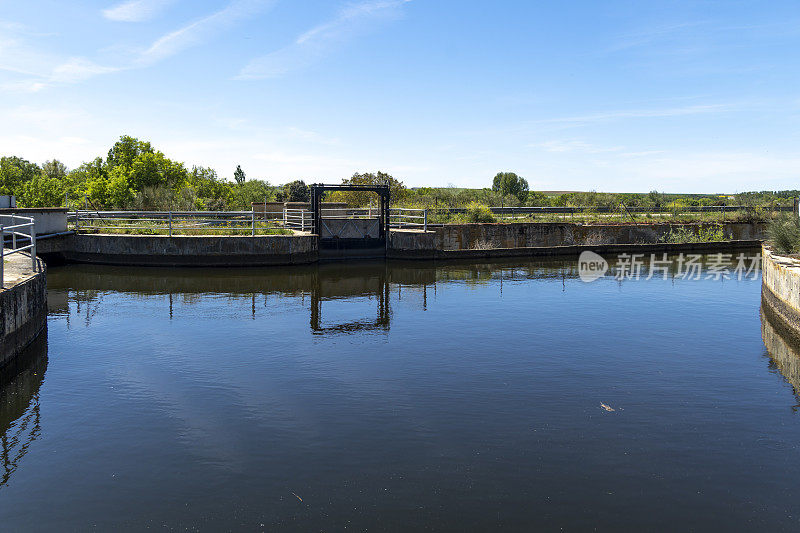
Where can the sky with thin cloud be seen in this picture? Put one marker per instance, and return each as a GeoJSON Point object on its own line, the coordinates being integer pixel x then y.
{"type": "Point", "coordinates": [583, 95]}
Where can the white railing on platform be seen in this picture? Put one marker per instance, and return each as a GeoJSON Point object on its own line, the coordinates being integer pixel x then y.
{"type": "Point", "coordinates": [298, 219]}
{"type": "Point", "coordinates": [174, 222]}
{"type": "Point", "coordinates": [13, 226]}
{"type": "Point", "coordinates": [233, 222]}
{"type": "Point", "coordinates": [402, 218]}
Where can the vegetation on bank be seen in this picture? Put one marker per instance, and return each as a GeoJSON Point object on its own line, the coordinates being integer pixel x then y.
{"type": "Point", "coordinates": [783, 234]}
{"type": "Point", "coordinates": [703, 233]}
{"type": "Point", "coordinates": [134, 175]}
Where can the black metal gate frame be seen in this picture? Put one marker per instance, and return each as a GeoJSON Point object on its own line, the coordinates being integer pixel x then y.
{"type": "Point", "coordinates": [318, 190]}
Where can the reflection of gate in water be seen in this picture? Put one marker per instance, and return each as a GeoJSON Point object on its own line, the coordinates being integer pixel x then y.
{"type": "Point", "coordinates": [347, 289]}
{"type": "Point", "coordinates": [19, 406]}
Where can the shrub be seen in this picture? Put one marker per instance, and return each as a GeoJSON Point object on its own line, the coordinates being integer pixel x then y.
{"type": "Point", "coordinates": [479, 213]}
{"type": "Point", "coordinates": [686, 234]}
{"type": "Point", "coordinates": [784, 234]}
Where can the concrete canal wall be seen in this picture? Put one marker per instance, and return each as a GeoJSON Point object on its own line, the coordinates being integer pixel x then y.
{"type": "Point", "coordinates": [528, 235]}
{"type": "Point", "coordinates": [23, 306]}
{"type": "Point", "coordinates": [537, 239]}
{"type": "Point", "coordinates": [452, 241]}
{"type": "Point", "coordinates": [780, 289]}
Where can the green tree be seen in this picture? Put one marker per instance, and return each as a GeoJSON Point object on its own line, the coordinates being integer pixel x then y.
{"type": "Point", "coordinates": [537, 199]}
{"type": "Point", "coordinates": [253, 191]}
{"type": "Point", "coordinates": [360, 199]}
{"type": "Point", "coordinates": [41, 191]}
{"type": "Point", "coordinates": [508, 183]}
{"type": "Point", "coordinates": [151, 169]}
{"type": "Point", "coordinates": [239, 176]}
{"type": "Point", "coordinates": [54, 169]}
{"type": "Point", "coordinates": [295, 191]}
{"type": "Point", "coordinates": [14, 171]}
{"type": "Point", "coordinates": [126, 150]}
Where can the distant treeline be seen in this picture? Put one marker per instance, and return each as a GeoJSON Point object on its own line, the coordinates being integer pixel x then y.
{"type": "Point", "coordinates": [134, 175]}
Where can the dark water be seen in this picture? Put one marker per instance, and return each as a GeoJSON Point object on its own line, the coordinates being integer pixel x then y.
{"type": "Point", "coordinates": [400, 397]}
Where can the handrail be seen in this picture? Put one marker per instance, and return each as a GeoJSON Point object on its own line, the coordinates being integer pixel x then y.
{"type": "Point", "coordinates": [13, 231]}
{"type": "Point", "coordinates": [400, 217]}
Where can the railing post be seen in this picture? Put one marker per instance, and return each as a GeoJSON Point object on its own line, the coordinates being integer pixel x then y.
{"type": "Point", "coordinates": [253, 223]}
{"type": "Point", "coordinates": [284, 216]}
{"type": "Point", "coordinates": [170, 223]}
{"type": "Point", "coordinates": [425, 220]}
{"type": "Point", "coordinates": [34, 264]}
{"type": "Point", "coordinates": [302, 220]}
{"type": "Point", "coordinates": [77, 220]}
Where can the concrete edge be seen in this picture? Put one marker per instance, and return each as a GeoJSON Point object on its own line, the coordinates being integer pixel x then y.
{"type": "Point", "coordinates": [781, 316]}
{"type": "Point", "coordinates": [573, 250]}
{"type": "Point", "coordinates": [25, 306]}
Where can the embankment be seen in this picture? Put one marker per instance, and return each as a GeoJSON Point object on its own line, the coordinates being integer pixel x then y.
{"type": "Point", "coordinates": [780, 290]}
{"type": "Point", "coordinates": [546, 239]}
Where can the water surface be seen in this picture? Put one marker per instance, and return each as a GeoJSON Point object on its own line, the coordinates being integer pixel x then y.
{"type": "Point", "coordinates": [400, 396]}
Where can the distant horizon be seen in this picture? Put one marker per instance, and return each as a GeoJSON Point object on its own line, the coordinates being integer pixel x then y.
{"type": "Point", "coordinates": [689, 96]}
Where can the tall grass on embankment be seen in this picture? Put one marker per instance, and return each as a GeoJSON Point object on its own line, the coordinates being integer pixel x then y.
{"type": "Point", "coordinates": [783, 234]}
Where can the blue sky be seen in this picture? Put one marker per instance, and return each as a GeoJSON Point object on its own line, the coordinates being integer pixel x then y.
{"type": "Point", "coordinates": [593, 95]}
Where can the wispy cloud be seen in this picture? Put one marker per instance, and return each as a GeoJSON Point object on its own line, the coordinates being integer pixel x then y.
{"type": "Point", "coordinates": [314, 44]}
{"type": "Point", "coordinates": [136, 10]}
{"type": "Point", "coordinates": [44, 70]}
{"type": "Point", "coordinates": [199, 30]}
{"type": "Point", "coordinates": [639, 113]}
{"type": "Point", "coordinates": [573, 145]}
{"type": "Point", "coordinates": [77, 69]}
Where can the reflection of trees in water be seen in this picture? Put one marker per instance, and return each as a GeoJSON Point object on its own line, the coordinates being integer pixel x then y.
{"type": "Point", "coordinates": [19, 406]}
{"type": "Point", "coordinates": [79, 291]}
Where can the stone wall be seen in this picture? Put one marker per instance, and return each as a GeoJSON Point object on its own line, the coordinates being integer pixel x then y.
{"type": "Point", "coordinates": [23, 307]}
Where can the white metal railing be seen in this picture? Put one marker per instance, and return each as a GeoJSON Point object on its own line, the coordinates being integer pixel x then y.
{"type": "Point", "coordinates": [408, 218]}
{"type": "Point", "coordinates": [175, 222]}
{"type": "Point", "coordinates": [351, 212]}
{"type": "Point", "coordinates": [233, 222]}
{"type": "Point", "coordinates": [13, 225]}
{"type": "Point", "coordinates": [298, 219]}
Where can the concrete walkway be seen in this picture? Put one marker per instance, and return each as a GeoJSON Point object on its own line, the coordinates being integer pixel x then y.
{"type": "Point", "coordinates": [17, 268]}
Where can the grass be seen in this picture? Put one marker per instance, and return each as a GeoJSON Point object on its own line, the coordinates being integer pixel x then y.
{"type": "Point", "coordinates": [743, 216]}
{"type": "Point", "coordinates": [184, 227]}
{"type": "Point", "coordinates": [687, 234]}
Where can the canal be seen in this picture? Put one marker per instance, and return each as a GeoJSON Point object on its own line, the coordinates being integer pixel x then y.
{"type": "Point", "coordinates": [401, 396]}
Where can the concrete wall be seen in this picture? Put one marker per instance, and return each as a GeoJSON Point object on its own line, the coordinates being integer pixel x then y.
{"type": "Point", "coordinates": [23, 309]}
{"type": "Point", "coordinates": [525, 235]}
{"type": "Point", "coordinates": [500, 240]}
{"type": "Point", "coordinates": [162, 250]}
{"type": "Point", "coordinates": [475, 241]}
{"type": "Point", "coordinates": [780, 288]}
{"type": "Point", "coordinates": [48, 220]}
